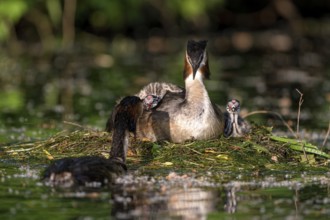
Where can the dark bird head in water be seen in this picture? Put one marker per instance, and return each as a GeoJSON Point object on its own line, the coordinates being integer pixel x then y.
{"type": "Point", "coordinates": [196, 59]}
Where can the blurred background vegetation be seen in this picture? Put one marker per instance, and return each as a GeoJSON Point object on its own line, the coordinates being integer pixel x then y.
{"type": "Point", "coordinates": [71, 60]}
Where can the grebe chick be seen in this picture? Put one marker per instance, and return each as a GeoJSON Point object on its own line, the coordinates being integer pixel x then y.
{"type": "Point", "coordinates": [151, 101]}
{"type": "Point", "coordinates": [154, 92]}
{"type": "Point", "coordinates": [235, 125]}
{"type": "Point", "coordinates": [150, 95]}
{"type": "Point", "coordinates": [186, 115]}
{"type": "Point", "coordinates": [85, 171]}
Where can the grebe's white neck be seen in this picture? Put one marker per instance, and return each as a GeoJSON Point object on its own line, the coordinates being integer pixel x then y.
{"type": "Point", "coordinates": [195, 89]}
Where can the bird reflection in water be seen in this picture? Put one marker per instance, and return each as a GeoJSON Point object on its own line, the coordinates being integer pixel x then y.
{"type": "Point", "coordinates": [176, 197]}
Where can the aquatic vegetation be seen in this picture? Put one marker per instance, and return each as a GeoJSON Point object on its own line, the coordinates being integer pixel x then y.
{"type": "Point", "coordinates": [260, 150]}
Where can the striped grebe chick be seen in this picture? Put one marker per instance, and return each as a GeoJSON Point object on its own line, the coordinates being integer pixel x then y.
{"type": "Point", "coordinates": [154, 92]}
{"type": "Point", "coordinates": [235, 125]}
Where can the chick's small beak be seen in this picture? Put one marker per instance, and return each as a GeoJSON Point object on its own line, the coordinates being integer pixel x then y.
{"type": "Point", "coordinates": [231, 106]}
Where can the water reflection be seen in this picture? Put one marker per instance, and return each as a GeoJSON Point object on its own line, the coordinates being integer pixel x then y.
{"type": "Point", "coordinates": [136, 196]}
{"type": "Point", "coordinates": [269, 197]}
{"type": "Point", "coordinates": [158, 199]}
{"type": "Point", "coordinates": [194, 203]}
{"type": "Point", "coordinates": [231, 202]}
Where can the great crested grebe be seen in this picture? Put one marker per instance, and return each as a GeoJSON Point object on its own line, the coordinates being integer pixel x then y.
{"type": "Point", "coordinates": [183, 115]}
{"type": "Point", "coordinates": [235, 125]}
{"type": "Point", "coordinates": [88, 170]}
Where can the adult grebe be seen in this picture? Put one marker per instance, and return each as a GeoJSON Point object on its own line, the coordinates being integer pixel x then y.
{"type": "Point", "coordinates": [88, 170]}
{"type": "Point", "coordinates": [183, 114]}
{"type": "Point", "coordinates": [235, 125]}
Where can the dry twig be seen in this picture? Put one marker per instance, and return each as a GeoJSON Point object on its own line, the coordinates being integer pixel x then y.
{"type": "Point", "coordinates": [299, 107]}
{"type": "Point", "coordinates": [74, 124]}
{"type": "Point", "coordinates": [79, 126]}
{"type": "Point", "coordinates": [273, 113]}
{"type": "Point", "coordinates": [326, 137]}
{"type": "Point", "coordinates": [301, 100]}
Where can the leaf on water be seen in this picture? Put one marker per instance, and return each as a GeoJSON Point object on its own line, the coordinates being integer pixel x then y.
{"type": "Point", "coordinates": [222, 156]}
{"type": "Point", "coordinates": [209, 151]}
{"type": "Point", "coordinates": [301, 146]}
{"type": "Point", "coordinates": [260, 148]}
{"type": "Point", "coordinates": [167, 164]}
{"type": "Point", "coordinates": [106, 155]}
{"type": "Point", "coordinates": [49, 156]}
{"type": "Point", "coordinates": [270, 166]}
{"type": "Point", "coordinates": [310, 159]}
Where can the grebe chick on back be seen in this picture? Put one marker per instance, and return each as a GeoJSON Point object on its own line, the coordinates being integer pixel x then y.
{"type": "Point", "coordinates": [87, 170]}
{"type": "Point", "coordinates": [235, 125]}
{"type": "Point", "coordinates": [154, 92]}
{"type": "Point", "coordinates": [189, 114]}
{"type": "Point", "coordinates": [150, 95]}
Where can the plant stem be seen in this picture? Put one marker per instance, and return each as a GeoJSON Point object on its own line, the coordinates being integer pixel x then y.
{"type": "Point", "coordinates": [299, 107]}
{"type": "Point", "coordinates": [273, 113]}
{"type": "Point", "coordinates": [326, 137]}
{"type": "Point", "coordinates": [298, 121]}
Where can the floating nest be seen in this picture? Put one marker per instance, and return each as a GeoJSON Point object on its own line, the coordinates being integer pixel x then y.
{"type": "Point", "coordinates": [258, 150]}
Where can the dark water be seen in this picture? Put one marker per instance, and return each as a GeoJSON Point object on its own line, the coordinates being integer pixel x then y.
{"type": "Point", "coordinates": [135, 196]}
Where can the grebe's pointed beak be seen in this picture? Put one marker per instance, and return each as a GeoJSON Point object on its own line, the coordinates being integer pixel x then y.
{"type": "Point", "coordinates": [195, 54]}
{"type": "Point", "coordinates": [195, 67]}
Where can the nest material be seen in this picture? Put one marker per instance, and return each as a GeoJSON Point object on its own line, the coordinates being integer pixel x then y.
{"type": "Point", "coordinates": [258, 150]}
